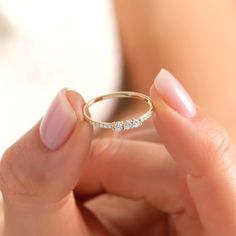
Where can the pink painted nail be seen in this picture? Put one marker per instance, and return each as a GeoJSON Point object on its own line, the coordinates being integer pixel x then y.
{"type": "Point", "coordinates": [173, 93]}
{"type": "Point", "coordinates": [58, 122]}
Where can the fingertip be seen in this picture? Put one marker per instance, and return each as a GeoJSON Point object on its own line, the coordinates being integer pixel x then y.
{"type": "Point", "coordinates": [158, 103]}
{"type": "Point", "coordinates": [76, 101]}
{"type": "Point", "coordinates": [174, 94]}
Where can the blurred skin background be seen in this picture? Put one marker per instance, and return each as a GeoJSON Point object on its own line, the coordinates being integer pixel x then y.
{"type": "Point", "coordinates": [97, 47]}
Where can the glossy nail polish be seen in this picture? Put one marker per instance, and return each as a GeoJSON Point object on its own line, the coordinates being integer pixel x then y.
{"type": "Point", "coordinates": [173, 93]}
{"type": "Point", "coordinates": [58, 123]}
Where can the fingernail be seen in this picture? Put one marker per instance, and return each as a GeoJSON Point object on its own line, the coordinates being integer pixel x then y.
{"type": "Point", "coordinates": [59, 121]}
{"type": "Point", "coordinates": [173, 93]}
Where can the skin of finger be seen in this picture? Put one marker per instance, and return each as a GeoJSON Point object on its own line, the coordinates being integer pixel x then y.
{"type": "Point", "coordinates": [118, 166]}
{"type": "Point", "coordinates": [61, 218]}
{"type": "Point", "coordinates": [31, 174]}
{"type": "Point", "coordinates": [205, 152]}
{"type": "Point", "coordinates": [138, 170]}
{"type": "Point", "coordinates": [120, 216]}
{"type": "Point", "coordinates": [35, 176]}
{"type": "Point", "coordinates": [37, 184]}
{"type": "Point", "coordinates": [147, 134]}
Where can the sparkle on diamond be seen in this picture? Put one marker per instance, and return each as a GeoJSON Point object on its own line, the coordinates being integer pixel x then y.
{"type": "Point", "coordinates": [128, 124]}
{"type": "Point", "coordinates": [136, 123]}
{"type": "Point", "coordinates": [118, 126]}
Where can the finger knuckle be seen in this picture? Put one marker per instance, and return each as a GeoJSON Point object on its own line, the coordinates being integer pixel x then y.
{"type": "Point", "coordinates": [12, 180]}
{"type": "Point", "coordinates": [219, 147]}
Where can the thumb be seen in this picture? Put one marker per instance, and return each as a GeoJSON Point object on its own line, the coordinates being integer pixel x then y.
{"type": "Point", "coordinates": [203, 149]}
{"type": "Point", "coordinates": [44, 165]}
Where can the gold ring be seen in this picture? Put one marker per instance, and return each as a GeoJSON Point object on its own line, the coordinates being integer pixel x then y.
{"type": "Point", "coordinates": [119, 125]}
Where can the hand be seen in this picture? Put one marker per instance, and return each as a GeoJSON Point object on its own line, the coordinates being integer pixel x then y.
{"type": "Point", "coordinates": [194, 194]}
{"type": "Point", "coordinates": [38, 174]}
{"type": "Point", "coordinates": [192, 187]}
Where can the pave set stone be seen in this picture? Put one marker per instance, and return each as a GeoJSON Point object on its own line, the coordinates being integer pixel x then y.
{"type": "Point", "coordinates": [101, 125]}
{"type": "Point", "coordinates": [123, 125]}
{"type": "Point", "coordinates": [127, 124]}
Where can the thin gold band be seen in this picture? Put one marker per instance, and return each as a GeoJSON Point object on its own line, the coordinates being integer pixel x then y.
{"type": "Point", "coordinates": [119, 125]}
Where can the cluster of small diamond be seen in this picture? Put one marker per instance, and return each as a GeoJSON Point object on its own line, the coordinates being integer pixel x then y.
{"type": "Point", "coordinates": [146, 116]}
{"type": "Point", "coordinates": [123, 125]}
{"type": "Point", "coordinates": [101, 125]}
{"type": "Point", "coordinates": [127, 124]}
